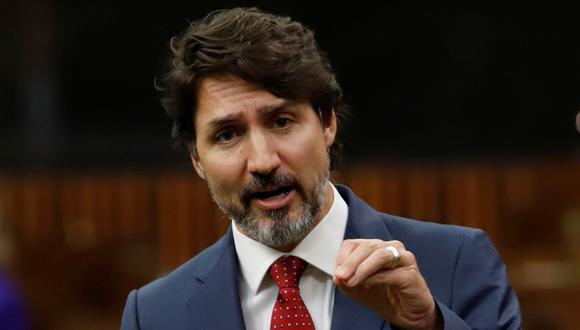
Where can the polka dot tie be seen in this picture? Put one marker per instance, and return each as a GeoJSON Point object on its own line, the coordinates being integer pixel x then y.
{"type": "Point", "coordinates": [289, 310]}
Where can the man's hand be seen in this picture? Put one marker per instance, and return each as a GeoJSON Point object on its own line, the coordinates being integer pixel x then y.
{"type": "Point", "coordinates": [365, 273]}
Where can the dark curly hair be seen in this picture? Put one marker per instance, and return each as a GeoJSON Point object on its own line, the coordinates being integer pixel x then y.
{"type": "Point", "coordinates": [273, 51]}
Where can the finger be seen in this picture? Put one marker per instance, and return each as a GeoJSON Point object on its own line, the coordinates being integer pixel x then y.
{"type": "Point", "coordinates": [350, 263]}
{"type": "Point", "coordinates": [407, 259]}
{"type": "Point", "coordinates": [378, 260]}
{"type": "Point", "coordinates": [398, 277]}
{"type": "Point", "coordinates": [396, 244]}
{"type": "Point", "coordinates": [400, 248]}
{"type": "Point", "coordinates": [375, 245]}
{"type": "Point", "coordinates": [345, 271]}
{"type": "Point", "coordinates": [346, 248]}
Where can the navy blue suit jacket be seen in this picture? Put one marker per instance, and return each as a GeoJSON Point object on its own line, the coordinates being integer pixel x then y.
{"type": "Point", "coordinates": [463, 271]}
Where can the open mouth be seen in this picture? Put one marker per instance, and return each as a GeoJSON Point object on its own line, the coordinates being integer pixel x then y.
{"type": "Point", "coordinates": [272, 194]}
{"type": "Point", "coordinates": [274, 199]}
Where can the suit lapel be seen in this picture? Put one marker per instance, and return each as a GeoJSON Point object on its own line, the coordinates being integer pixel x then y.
{"type": "Point", "coordinates": [363, 222]}
{"type": "Point", "coordinates": [216, 304]}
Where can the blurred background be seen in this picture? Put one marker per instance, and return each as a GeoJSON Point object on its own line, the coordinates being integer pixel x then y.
{"type": "Point", "coordinates": [463, 113]}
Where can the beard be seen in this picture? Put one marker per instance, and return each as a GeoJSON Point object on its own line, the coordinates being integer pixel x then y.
{"type": "Point", "coordinates": [276, 227]}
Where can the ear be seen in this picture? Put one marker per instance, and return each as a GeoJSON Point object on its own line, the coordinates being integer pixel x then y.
{"type": "Point", "coordinates": [330, 130]}
{"type": "Point", "coordinates": [197, 165]}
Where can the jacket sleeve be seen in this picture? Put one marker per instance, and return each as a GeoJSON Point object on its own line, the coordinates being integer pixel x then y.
{"type": "Point", "coordinates": [130, 319]}
{"type": "Point", "coordinates": [482, 297]}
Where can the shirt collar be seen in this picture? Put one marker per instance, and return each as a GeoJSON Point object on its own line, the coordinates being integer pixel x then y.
{"type": "Point", "coordinates": [319, 248]}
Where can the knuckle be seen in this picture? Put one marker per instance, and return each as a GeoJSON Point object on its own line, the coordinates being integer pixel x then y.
{"type": "Point", "coordinates": [410, 256]}
{"type": "Point", "coordinates": [398, 244]}
{"type": "Point", "coordinates": [375, 243]}
{"type": "Point", "coordinates": [413, 272]}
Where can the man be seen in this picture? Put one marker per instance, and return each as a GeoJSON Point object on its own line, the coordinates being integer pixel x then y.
{"type": "Point", "coordinates": [256, 103]}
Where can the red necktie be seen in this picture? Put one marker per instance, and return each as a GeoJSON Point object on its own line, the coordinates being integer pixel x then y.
{"type": "Point", "coordinates": [289, 310]}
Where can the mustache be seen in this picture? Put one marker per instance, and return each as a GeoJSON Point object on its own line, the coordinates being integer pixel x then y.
{"type": "Point", "coordinates": [265, 182]}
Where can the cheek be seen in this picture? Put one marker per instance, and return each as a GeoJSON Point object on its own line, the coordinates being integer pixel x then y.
{"type": "Point", "coordinates": [223, 173]}
{"type": "Point", "coordinates": [307, 155]}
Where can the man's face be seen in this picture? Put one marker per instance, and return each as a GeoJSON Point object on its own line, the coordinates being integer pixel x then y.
{"type": "Point", "coordinates": [265, 159]}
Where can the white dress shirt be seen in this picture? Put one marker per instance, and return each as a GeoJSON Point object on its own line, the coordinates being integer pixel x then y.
{"type": "Point", "coordinates": [319, 248]}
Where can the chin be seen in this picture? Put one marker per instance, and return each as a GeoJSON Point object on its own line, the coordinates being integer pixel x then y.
{"type": "Point", "coordinates": [278, 228]}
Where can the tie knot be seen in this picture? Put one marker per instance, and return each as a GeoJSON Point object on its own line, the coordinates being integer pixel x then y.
{"type": "Point", "coordinates": [286, 271]}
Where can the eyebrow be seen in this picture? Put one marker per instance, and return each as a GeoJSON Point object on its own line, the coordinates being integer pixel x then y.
{"type": "Point", "coordinates": [274, 108]}
{"type": "Point", "coordinates": [232, 118]}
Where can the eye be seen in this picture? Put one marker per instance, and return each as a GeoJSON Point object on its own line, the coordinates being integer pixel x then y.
{"type": "Point", "coordinates": [282, 122]}
{"type": "Point", "coordinates": [225, 136]}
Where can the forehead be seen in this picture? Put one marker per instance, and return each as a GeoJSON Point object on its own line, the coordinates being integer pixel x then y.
{"type": "Point", "coordinates": [224, 94]}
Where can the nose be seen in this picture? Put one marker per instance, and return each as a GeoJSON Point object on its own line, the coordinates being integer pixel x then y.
{"type": "Point", "coordinates": [263, 155]}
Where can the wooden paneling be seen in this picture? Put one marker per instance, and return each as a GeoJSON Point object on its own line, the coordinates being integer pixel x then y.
{"type": "Point", "coordinates": [423, 197]}
{"type": "Point", "coordinates": [471, 197]}
{"type": "Point", "coordinates": [78, 229]}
